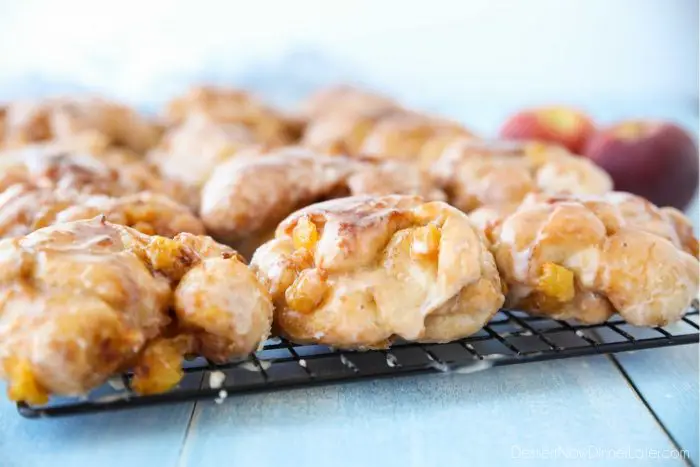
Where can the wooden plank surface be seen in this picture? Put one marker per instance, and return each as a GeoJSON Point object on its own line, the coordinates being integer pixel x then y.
{"type": "Point", "coordinates": [150, 437]}
{"type": "Point", "coordinates": [667, 379]}
{"type": "Point", "coordinates": [581, 407]}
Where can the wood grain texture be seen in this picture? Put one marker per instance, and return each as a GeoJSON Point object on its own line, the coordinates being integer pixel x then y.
{"type": "Point", "coordinates": [484, 418]}
{"type": "Point", "coordinates": [144, 437]}
{"type": "Point", "coordinates": [667, 379]}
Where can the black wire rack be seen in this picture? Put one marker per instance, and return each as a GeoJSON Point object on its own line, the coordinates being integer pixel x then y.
{"type": "Point", "coordinates": [511, 337]}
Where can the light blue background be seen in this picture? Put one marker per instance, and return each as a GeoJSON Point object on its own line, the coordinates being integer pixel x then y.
{"type": "Point", "coordinates": [424, 52]}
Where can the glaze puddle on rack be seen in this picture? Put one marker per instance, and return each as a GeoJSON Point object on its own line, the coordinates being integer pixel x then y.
{"type": "Point", "coordinates": [511, 337]}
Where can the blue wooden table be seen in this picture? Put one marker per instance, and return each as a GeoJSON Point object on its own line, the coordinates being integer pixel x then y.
{"type": "Point", "coordinates": [638, 408]}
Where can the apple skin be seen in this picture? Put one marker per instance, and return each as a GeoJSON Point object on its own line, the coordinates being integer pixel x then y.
{"type": "Point", "coordinates": [564, 126]}
{"type": "Point", "coordinates": [656, 160]}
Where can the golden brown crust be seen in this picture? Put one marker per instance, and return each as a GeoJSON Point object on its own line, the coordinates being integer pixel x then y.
{"type": "Point", "coordinates": [248, 196]}
{"type": "Point", "coordinates": [222, 304]}
{"type": "Point", "coordinates": [384, 134]}
{"type": "Point", "coordinates": [233, 106]}
{"type": "Point", "coordinates": [24, 209]}
{"type": "Point", "coordinates": [84, 121]}
{"type": "Point", "coordinates": [340, 133]}
{"type": "Point", "coordinates": [586, 257]}
{"type": "Point", "coordinates": [393, 177]}
{"type": "Point", "coordinates": [111, 172]}
{"type": "Point", "coordinates": [99, 296]}
{"type": "Point", "coordinates": [411, 136]}
{"type": "Point", "coordinates": [91, 312]}
{"type": "Point", "coordinates": [347, 101]}
{"type": "Point", "coordinates": [684, 229]}
{"type": "Point", "coordinates": [500, 174]}
{"type": "Point", "coordinates": [358, 272]}
{"type": "Point", "coordinates": [3, 117]}
{"type": "Point", "coordinates": [190, 151]}
{"type": "Point", "coordinates": [350, 121]}
{"type": "Point", "coordinates": [221, 104]}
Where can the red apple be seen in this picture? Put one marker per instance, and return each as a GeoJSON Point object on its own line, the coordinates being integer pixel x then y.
{"type": "Point", "coordinates": [656, 160]}
{"type": "Point", "coordinates": [561, 125]}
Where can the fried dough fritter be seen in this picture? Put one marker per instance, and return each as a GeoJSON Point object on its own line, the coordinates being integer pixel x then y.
{"type": "Point", "coordinates": [588, 257]}
{"type": "Point", "coordinates": [357, 123]}
{"type": "Point", "coordinates": [345, 100]}
{"type": "Point", "coordinates": [359, 272]}
{"type": "Point", "coordinates": [499, 174]}
{"type": "Point", "coordinates": [24, 209]}
{"type": "Point", "coordinates": [80, 301]}
{"type": "Point", "coordinates": [112, 172]}
{"type": "Point", "coordinates": [234, 106]}
{"type": "Point", "coordinates": [410, 136]}
{"type": "Point", "coordinates": [341, 133]}
{"type": "Point", "coordinates": [190, 151]}
{"type": "Point", "coordinates": [247, 197]}
{"type": "Point", "coordinates": [396, 135]}
{"type": "Point", "coordinates": [80, 121]}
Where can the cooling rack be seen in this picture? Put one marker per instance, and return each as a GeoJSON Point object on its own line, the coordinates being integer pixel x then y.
{"type": "Point", "coordinates": [511, 337]}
